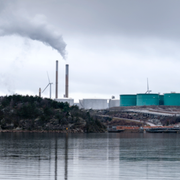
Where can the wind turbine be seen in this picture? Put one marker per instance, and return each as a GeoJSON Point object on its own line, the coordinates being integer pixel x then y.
{"type": "Point", "coordinates": [49, 84]}
{"type": "Point", "coordinates": [148, 91]}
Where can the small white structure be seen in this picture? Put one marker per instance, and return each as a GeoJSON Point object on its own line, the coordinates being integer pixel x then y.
{"type": "Point", "coordinates": [80, 104]}
{"type": "Point", "coordinates": [68, 100]}
{"type": "Point", "coordinates": [114, 103]}
{"type": "Point", "coordinates": [93, 104]}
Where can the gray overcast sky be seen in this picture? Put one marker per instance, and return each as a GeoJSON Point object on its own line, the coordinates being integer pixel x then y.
{"type": "Point", "coordinates": [111, 46]}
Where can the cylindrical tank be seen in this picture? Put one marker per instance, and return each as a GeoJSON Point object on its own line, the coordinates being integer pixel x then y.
{"type": "Point", "coordinates": [147, 99]}
{"type": "Point", "coordinates": [114, 103]}
{"type": "Point", "coordinates": [172, 99]}
{"type": "Point", "coordinates": [161, 99]}
{"type": "Point", "coordinates": [94, 103]}
{"type": "Point", "coordinates": [127, 100]}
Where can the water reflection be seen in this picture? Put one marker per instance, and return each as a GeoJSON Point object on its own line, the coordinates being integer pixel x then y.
{"type": "Point", "coordinates": [66, 158]}
{"type": "Point", "coordinates": [89, 156]}
{"type": "Point", "coordinates": [55, 158]}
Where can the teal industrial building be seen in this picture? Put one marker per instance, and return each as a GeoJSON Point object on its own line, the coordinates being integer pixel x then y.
{"type": "Point", "coordinates": [168, 99]}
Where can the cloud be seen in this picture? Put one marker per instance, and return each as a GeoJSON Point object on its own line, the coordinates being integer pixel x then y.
{"type": "Point", "coordinates": [114, 46]}
{"type": "Point", "coordinates": [8, 82]}
{"type": "Point", "coordinates": [36, 28]}
{"type": "Point", "coordinates": [131, 17]}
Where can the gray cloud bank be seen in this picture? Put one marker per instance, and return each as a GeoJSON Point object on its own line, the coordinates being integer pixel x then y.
{"type": "Point", "coordinates": [14, 22]}
{"type": "Point", "coordinates": [124, 17]}
{"type": "Point", "coordinates": [137, 18]}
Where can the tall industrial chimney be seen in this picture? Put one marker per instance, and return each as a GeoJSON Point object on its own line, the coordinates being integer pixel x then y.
{"type": "Point", "coordinates": [67, 81]}
{"type": "Point", "coordinates": [39, 92]}
{"type": "Point", "coordinates": [56, 79]}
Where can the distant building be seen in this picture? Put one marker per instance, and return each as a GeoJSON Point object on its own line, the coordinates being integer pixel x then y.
{"type": "Point", "coordinates": [93, 104]}
{"type": "Point", "coordinates": [68, 100]}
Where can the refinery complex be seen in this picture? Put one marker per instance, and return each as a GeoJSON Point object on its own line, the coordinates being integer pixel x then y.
{"type": "Point", "coordinates": [143, 99]}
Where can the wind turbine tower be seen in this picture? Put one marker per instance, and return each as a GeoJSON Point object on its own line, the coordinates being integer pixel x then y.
{"type": "Point", "coordinates": [49, 84]}
{"type": "Point", "coordinates": [148, 91]}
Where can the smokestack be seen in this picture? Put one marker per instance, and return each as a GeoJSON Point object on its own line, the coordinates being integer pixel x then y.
{"type": "Point", "coordinates": [67, 81]}
{"type": "Point", "coordinates": [39, 92]}
{"type": "Point", "coordinates": [56, 79]}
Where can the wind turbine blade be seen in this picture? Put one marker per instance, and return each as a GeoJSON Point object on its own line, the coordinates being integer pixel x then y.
{"type": "Point", "coordinates": [48, 77]}
{"type": "Point", "coordinates": [45, 87]}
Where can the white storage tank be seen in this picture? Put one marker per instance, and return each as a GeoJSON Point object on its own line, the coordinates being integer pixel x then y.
{"type": "Point", "coordinates": [114, 103]}
{"type": "Point", "coordinates": [68, 100]}
{"type": "Point", "coordinates": [94, 103]}
{"type": "Point", "coordinates": [80, 104]}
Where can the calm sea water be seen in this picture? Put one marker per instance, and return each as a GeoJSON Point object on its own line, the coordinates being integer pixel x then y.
{"type": "Point", "coordinates": [121, 156]}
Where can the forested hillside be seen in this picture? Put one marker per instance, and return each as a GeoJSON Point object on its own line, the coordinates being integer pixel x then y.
{"type": "Point", "coordinates": [34, 113]}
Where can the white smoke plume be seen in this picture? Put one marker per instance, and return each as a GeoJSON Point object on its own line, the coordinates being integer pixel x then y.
{"type": "Point", "coordinates": [36, 28]}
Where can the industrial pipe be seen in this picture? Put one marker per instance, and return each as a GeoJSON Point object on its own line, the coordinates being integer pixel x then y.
{"type": "Point", "coordinates": [56, 79]}
{"type": "Point", "coordinates": [39, 92]}
{"type": "Point", "coordinates": [67, 81]}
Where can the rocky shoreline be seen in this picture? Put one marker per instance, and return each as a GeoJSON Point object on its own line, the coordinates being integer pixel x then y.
{"type": "Point", "coordinates": [40, 131]}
